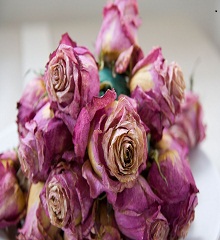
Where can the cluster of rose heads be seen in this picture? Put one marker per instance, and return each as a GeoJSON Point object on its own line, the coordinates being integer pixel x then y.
{"type": "Point", "coordinates": [103, 142]}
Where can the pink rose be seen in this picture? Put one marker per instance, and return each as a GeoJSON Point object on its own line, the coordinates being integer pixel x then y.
{"type": "Point", "coordinates": [119, 29]}
{"type": "Point", "coordinates": [12, 197]}
{"type": "Point", "coordinates": [103, 225]}
{"type": "Point", "coordinates": [117, 148]}
{"type": "Point", "coordinates": [171, 179]}
{"type": "Point", "coordinates": [128, 59]}
{"type": "Point", "coordinates": [158, 89]}
{"type": "Point", "coordinates": [137, 213]}
{"type": "Point", "coordinates": [37, 225]}
{"type": "Point", "coordinates": [66, 198]}
{"type": "Point", "coordinates": [45, 141]}
{"type": "Point", "coordinates": [32, 99]}
{"type": "Point", "coordinates": [71, 79]}
{"type": "Point", "coordinates": [189, 128]}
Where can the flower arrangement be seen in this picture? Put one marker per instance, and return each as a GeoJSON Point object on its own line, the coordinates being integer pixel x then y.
{"type": "Point", "coordinates": [103, 142]}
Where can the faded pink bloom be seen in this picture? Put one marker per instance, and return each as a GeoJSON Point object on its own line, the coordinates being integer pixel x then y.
{"type": "Point", "coordinates": [119, 29]}
{"type": "Point", "coordinates": [37, 225]}
{"type": "Point", "coordinates": [158, 89]}
{"type": "Point", "coordinates": [12, 197]}
{"type": "Point", "coordinates": [171, 179]}
{"type": "Point", "coordinates": [104, 225]}
{"type": "Point", "coordinates": [137, 213]}
{"type": "Point", "coordinates": [71, 79]}
{"type": "Point", "coordinates": [117, 148]}
{"type": "Point", "coordinates": [46, 140]}
{"type": "Point", "coordinates": [128, 59]}
{"type": "Point", "coordinates": [189, 128]}
{"type": "Point", "coordinates": [66, 198]}
{"type": "Point", "coordinates": [32, 100]}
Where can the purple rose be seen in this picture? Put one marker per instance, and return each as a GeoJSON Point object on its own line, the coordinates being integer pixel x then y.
{"type": "Point", "coordinates": [171, 179]}
{"type": "Point", "coordinates": [158, 89]}
{"type": "Point", "coordinates": [71, 79]}
{"type": "Point", "coordinates": [137, 213]}
{"type": "Point", "coordinates": [66, 198]}
{"type": "Point", "coordinates": [119, 29]}
{"type": "Point", "coordinates": [189, 128]}
{"type": "Point", "coordinates": [12, 197]}
{"type": "Point", "coordinates": [33, 98]}
{"type": "Point", "coordinates": [117, 147]}
{"type": "Point", "coordinates": [37, 225]}
{"type": "Point", "coordinates": [46, 140]}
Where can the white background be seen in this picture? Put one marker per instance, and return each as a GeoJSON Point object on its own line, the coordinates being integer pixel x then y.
{"type": "Point", "coordinates": [187, 30]}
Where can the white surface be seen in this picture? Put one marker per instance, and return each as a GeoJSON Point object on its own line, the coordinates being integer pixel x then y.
{"type": "Point", "coordinates": [206, 225]}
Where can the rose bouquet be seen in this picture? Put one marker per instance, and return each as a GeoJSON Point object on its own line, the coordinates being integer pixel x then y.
{"type": "Point", "coordinates": [104, 141]}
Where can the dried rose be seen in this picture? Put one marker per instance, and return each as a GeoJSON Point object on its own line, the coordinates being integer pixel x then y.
{"type": "Point", "coordinates": [175, 84]}
{"type": "Point", "coordinates": [137, 213]}
{"type": "Point", "coordinates": [46, 140]}
{"type": "Point", "coordinates": [158, 88]}
{"type": "Point", "coordinates": [82, 127]}
{"type": "Point", "coordinates": [128, 59]}
{"type": "Point", "coordinates": [102, 223]}
{"type": "Point", "coordinates": [32, 99]}
{"type": "Point", "coordinates": [66, 198]}
{"type": "Point", "coordinates": [119, 29]}
{"type": "Point", "coordinates": [117, 147]}
{"type": "Point", "coordinates": [71, 79]}
{"type": "Point", "coordinates": [12, 197]}
{"type": "Point", "coordinates": [189, 128]}
{"type": "Point", "coordinates": [37, 225]}
{"type": "Point", "coordinates": [105, 226]}
{"type": "Point", "coordinates": [171, 179]}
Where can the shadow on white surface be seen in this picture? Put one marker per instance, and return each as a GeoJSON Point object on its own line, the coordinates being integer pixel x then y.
{"type": "Point", "coordinates": [206, 225]}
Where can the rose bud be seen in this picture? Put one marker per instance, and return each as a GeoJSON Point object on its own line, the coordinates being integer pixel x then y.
{"type": "Point", "coordinates": [12, 197]}
{"type": "Point", "coordinates": [66, 198]}
{"type": "Point", "coordinates": [137, 213]}
{"type": "Point", "coordinates": [189, 128]}
{"type": "Point", "coordinates": [117, 147]}
{"type": "Point", "coordinates": [128, 59]}
{"type": "Point", "coordinates": [104, 225]}
{"type": "Point", "coordinates": [175, 84]}
{"type": "Point", "coordinates": [71, 79]}
{"type": "Point", "coordinates": [119, 29]}
{"type": "Point", "coordinates": [37, 225]}
{"type": "Point", "coordinates": [46, 140]}
{"type": "Point", "coordinates": [33, 98]}
{"type": "Point", "coordinates": [158, 90]}
{"type": "Point", "coordinates": [171, 179]}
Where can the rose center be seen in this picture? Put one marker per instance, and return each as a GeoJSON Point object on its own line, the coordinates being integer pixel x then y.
{"type": "Point", "coordinates": [57, 205]}
{"type": "Point", "coordinates": [59, 79]}
{"type": "Point", "coordinates": [128, 155]}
